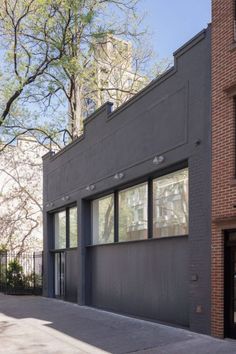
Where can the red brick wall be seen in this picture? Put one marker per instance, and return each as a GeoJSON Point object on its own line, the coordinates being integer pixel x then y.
{"type": "Point", "coordinates": [223, 148]}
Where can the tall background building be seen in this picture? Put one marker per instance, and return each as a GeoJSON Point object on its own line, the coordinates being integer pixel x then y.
{"type": "Point", "coordinates": [114, 75]}
{"type": "Point", "coordinates": [21, 196]}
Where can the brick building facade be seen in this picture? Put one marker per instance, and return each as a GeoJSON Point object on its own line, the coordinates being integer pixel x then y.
{"type": "Point", "coordinates": [223, 159]}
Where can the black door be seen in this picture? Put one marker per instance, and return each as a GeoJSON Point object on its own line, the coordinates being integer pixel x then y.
{"type": "Point", "coordinates": [230, 285]}
{"type": "Point", "coordinates": [59, 275]}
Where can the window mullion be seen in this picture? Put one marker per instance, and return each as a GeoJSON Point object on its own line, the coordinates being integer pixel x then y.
{"type": "Point", "coordinates": [67, 228]}
{"type": "Point", "coordinates": [116, 217]}
{"type": "Point", "coordinates": [150, 209]}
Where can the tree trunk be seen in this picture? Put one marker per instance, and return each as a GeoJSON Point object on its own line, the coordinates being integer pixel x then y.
{"type": "Point", "coordinates": [76, 123]}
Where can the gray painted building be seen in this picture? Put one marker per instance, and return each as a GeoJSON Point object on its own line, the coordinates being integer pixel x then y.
{"type": "Point", "coordinates": [127, 205]}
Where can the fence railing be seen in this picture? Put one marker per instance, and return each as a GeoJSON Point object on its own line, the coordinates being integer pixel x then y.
{"type": "Point", "coordinates": [21, 273]}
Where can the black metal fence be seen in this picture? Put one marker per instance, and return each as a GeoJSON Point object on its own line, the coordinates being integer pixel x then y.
{"type": "Point", "coordinates": [21, 274]}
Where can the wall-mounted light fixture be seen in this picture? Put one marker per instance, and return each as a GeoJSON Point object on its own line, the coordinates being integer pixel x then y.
{"type": "Point", "coordinates": [65, 198]}
{"type": "Point", "coordinates": [90, 188]}
{"type": "Point", "coordinates": [158, 160]}
{"type": "Point", "coordinates": [49, 205]}
{"type": "Point", "coordinates": [119, 176]}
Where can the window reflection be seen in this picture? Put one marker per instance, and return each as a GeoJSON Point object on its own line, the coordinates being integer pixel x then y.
{"type": "Point", "coordinates": [169, 210]}
{"type": "Point", "coordinates": [133, 213]}
{"type": "Point", "coordinates": [65, 228]}
{"type": "Point", "coordinates": [103, 220]}
{"type": "Point", "coordinates": [73, 227]}
{"type": "Point", "coordinates": [60, 229]}
{"type": "Point", "coordinates": [170, 204]}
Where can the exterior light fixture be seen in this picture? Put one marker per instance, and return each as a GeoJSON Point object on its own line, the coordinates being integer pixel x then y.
{"type": "Point", "coordinates": [65, 198]}
{"type": "Point", "coordinates": [119, 176]}
{"type": "Point", "coordinates": [90, 188]}
{"type": "Point", "coordinates": [158, 160]}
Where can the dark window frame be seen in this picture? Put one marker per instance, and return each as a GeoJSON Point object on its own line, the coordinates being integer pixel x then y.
{"type": "Point", "coordinates": [149, 180]}
{"type": "Point", "coordinates": [67, 210]}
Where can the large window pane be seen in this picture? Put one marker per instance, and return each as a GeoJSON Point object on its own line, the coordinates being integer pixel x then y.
{"type": "Point", "coordinates": [60, 229]}
{"type": "Point", "coordinates": [103, 220]}
{"type": "Point", "coordinates": [73, 231]}
{"type": "Point", "coordinates": [133, 213]}
{"type": "Point", "coordinates": [170, 204]}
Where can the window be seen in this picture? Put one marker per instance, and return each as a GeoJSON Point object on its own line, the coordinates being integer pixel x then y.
{"type": "Point", "coordinates": [158, 208]}
{"type": "Point", "coordinates": [133, 213]}
{"type": "Point", "coordinates": [103, 220]}
{"type": "Point", "coordinates": [170, 204]}
{"type": "Point", "coordinates": [73, 231]}
{"type": "Point", "coordinates": [60, 229]}
{"type": "Point", "coordinates": [65, 228]}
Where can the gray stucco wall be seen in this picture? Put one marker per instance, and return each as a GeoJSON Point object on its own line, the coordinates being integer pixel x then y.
{"type": "Point", "coordinates": [170, 117]}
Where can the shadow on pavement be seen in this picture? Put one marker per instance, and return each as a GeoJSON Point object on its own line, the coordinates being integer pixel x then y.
{"type": "Point", "coordinates": [106, 331]}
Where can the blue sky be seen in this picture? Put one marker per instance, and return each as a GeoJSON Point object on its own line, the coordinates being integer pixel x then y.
{"type": "Point", "coordinates": [174, 22]}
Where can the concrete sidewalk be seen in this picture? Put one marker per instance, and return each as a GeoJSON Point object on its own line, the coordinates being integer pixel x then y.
{"type": "Point", "coordinates": [39, 325]}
